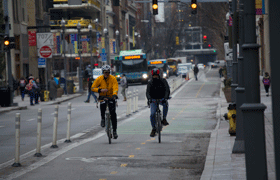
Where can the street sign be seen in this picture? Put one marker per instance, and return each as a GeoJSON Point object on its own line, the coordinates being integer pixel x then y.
{"type": "Point", "coordinates": [41, 63]}
{"type": "Point", "coordinates": [104, 57]}
{"type": "Point", "coordinates": [228, 52]}
{"type": "Point", "coordinates": [45, 52]}
{"type": "Point", "coordinates": [44, 40]}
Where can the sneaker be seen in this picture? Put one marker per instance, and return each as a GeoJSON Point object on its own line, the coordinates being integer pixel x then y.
{"type": "Point", "coordinates": [164, 122]}
{"type": "Point", "coordinates": [115, 134]}
{"type": "Point", "coordinates": [153, 133]}
{"type": "Point", "coordinates": [86, 101]}
{"type": "Point", "coordinates": [267, 94]}
{"type": "Point", "coordinates": [102, 123]}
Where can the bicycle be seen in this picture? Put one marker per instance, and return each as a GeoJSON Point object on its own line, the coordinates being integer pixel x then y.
{"type": "Point", "coordinates": [158, 118]}
{"type": "Point", "coordinates": [108, 122]}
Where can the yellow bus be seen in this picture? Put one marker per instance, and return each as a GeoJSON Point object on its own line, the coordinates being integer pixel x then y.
{"type": "Point", "coordinates": [173, 64]}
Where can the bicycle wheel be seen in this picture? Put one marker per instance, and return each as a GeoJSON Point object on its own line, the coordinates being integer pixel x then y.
{"type": "Point", "coordinates": [108, 126]}
{"type": "Point", "coordinates": [158, 127]}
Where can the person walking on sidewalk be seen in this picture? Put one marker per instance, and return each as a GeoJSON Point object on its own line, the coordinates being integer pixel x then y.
{"type": "Point", "coordinates": [266, 82]}
{"type": "Point", "coordinates": [195, 71]}
{"type": "Point", "coordinates": [90, 82]}
{"type": "Point", "coordinates": [31, 88]}
{"type": "Point", "coordinates": [38, 91]}
{"type": "Point", "coordinates": [22, 85]}
{"type": "Point", "coordinates": [123, 83]}
{"type": "Point", "coordinates": [157, 88]}
{"type": "Point", "coordinates": [53, 89]}
{"type": "Point", "coordinates": [221, 72]}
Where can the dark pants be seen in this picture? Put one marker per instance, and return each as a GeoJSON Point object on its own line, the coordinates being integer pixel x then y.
{"type": "Point", "coordinates": [266, 87]}
{"type": "Point", "coordinates": [91, 93]}
{"type": "Point", "coordinates": [32, 96]}
{"type": "Point", "coordinates": [112, 109]}
{"type": "Point", "coordinates": [22, 91]}
{"type": "Point", "coordinates": [37, 95]}
{"type": "Point", "coordinates": [195, 75]}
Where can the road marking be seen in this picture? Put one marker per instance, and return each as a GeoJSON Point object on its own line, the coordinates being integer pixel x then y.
{"type": "Point", "coordinates": [199, 90]}
{"type": "Point", "coordinates": [52, 113]}
{"type": "Point", "coordinates": [102, 179]}
{"type": "Point", "coordinates": [30, 120]}
{"type": "Point", "coordinates": [143, 143]}
{"type": "Point", "coordinates": [131, 156]}
{"type": "Point", "coordinates": [153, 139]}
{"type": "Point", "coordinates": [2, 126]}
{"type": "Point", "coordinates": [123, 165]}
{"type": "Point", "coordinates": [137, 148]}
{"type": "Point", "coordinates": [114, 172]}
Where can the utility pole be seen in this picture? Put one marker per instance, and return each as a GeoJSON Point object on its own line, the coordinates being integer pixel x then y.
{"type": "Point", "coordinates": [10, 79]}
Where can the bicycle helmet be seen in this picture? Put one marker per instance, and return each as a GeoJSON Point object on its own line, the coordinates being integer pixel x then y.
{"type": "Point", "coordinates": [155, 71]}
{"type": "Point", "coordinates": [106, 68]}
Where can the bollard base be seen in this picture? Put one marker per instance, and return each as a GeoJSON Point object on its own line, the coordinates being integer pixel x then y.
{"type": "Point", "coordinates": [238, 147]}
{"type": "Point", "coordinates": [54, 146]}
{"type": "Point", "coordinates": [16, 165]}
{"type": "Point", "coordinates": [67, 141]}
{"type": "Point", "coordinates": [38, 155]}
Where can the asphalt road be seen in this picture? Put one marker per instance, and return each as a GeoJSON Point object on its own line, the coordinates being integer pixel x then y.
{"type": "Point", "coordinates": [181, 155]}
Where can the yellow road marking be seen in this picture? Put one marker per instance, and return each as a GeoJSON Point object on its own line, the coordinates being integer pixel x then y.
{"type": "Point", "coordinates": [143, 143]}
{"type": "Point", "coordinates": [102, 179]}
{"type": "Point", "coordinates": [123, 165]}
{"type": "Point", "coordinates": [114, 172]}
{"type": "Point", "coordinates": [153, 138]}
{"type": "Point", "coordinates": [137, 148]}
{"type": "Point", "coordinates": [199, 90]}
{"type": "Point", "coordinates": [131, 156]}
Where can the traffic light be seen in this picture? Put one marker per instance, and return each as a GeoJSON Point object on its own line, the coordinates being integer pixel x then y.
{"type": "Point", "coordinates": [155, 7]}
{"type": "Point", "coordinates": [209, 45]}
{"type": "Point", "coordinates": [194, 6]}
{"type": "Point", "coordinates": [204, 38]}
{"type": "Point", "coordinates": [6, 43]}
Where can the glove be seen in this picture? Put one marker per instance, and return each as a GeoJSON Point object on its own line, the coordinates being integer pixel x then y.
{"type": "Point", "coordinates": [115, 97]}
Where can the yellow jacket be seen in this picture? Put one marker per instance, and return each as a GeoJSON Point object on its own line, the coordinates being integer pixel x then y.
{"type": "Point", "coordinates": [110, 83]}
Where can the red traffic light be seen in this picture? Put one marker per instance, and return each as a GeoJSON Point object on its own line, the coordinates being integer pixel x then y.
{"type": "Point", "coordinates": [209, 45]}
{"type": "Point", "coordinates": [96, 64]}
{"type": "Point", "coordinates": [204, 37]}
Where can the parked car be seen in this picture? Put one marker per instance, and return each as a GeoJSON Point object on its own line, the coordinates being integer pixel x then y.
{"type": "Point", "coordinates": [200, 66]}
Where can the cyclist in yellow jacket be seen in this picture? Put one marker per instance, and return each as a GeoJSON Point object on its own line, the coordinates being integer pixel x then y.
{"type": "Point", "coordinates": [107, 86]}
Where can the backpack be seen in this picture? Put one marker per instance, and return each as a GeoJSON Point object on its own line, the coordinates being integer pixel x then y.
{"type": "Point", "coordinates": [29, 86]}
{"type": "Point", "coordinates": [22, 83]}
{"type": "Point", "coordinates": [266, 82]}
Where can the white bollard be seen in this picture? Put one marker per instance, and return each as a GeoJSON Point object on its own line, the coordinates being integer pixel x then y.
{"type": "Point", "coordinates": [129, 106]}
{"type": "Point", "coordinates": [54, 145]}
{"type": "Point", "coordinates": [136, 99]}
{"type": "Point", "coordinates": [127, 103]}
{"type": "Point", "coordinates": [68, 124]}
{"type": "Point", "coordinates": [17, 126]}
{"type": "Point", "coordinates": [39, 132]}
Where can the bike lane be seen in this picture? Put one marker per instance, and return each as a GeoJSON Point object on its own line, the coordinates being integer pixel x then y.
{"type": "Point", "coordinates": [135, 155]}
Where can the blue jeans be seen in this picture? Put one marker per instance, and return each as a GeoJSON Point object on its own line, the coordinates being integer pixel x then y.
{"type": "Point", "coordinates": [153, 111]}
{"type": "Point", "coordinates": [32, 96]}
{"type": "Point", "coordinates": [22, 90]}
{"type": "Point", "coordinates": [195, 75]}
{"type": "Point", "coordinates": [91, 93]}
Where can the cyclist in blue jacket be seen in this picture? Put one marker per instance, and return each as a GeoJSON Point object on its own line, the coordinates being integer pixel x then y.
{"type": "Point", "coordinates": [157, 88]}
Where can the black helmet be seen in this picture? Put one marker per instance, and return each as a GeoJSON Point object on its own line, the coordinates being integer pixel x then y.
{"type": "Point", "coordinates": [155, 71]}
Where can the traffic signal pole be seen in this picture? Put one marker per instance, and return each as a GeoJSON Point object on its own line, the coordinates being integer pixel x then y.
{"type": "Point", "coordinates": [8, 52]}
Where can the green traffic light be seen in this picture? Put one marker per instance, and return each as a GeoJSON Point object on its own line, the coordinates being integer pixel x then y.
{"type": "Point", "coordinates": [214, 50]}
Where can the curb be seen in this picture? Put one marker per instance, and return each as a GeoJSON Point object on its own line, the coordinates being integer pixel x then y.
{"type": "Point", "coordinates": [12, 108]}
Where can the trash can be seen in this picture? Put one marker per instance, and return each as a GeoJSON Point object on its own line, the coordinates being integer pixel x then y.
{"type": "Point", "coordinates": [5, 96]}
{"type": "Point", "coordinates": [70, 86]}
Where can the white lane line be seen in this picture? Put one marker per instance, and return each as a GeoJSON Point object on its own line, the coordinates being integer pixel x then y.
{"type": "Point", "coordinates": [2, 126]}
{"type": "Point", "coordinates": [178, 90]}
{"type": "Point", "coordinates": [52, 113]}
{"type": "Point", "coordinates": [73, 109]}
{"type": "Point", "coordinates": [30, 120]}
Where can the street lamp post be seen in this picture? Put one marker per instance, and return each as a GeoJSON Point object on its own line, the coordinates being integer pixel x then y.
{"type": "Point", "coordinates": [139, 36]}
{"type": "Point", "coordinates": [90, 40]}
{"type": "Point", "coordinates": [126, 36]}
{"type": "Point", "coordinates": [105, 31]}
{"type": "Point", "coordinates": [63, 44]}
{"type": "Point", "coordinates": [80, 60]}
{"type": "Point", "coordinates": [253, 110]}
{"type": "Point", "coordinates": [117, 41]}
{"type": "Point", "coordinates": [96, 25]}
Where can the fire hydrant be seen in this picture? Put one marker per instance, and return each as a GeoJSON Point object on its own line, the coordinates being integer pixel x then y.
{"type": "Point", "coordinates": [231, 116]}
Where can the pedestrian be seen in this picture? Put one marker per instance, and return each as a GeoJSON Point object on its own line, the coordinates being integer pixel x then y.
{"type": "Point", "coordinates": [38, 91]}
{"type": "Point", "coordinates": [90, 81]}
{"type": "Point", "coordinates": [31, 87]}
{"type": "Point", "coordinates": [221, 72]}
{"type": "Point", "coordinates": [266, 82]}
{"type": "Point", "coordinates": [195, 71]}
{"type": "Point", "coordinates": [124, 85]}
{"type": "Point", "coordinates": [53, 89]}
{"type": "Point", "coordinates": [22, 85]}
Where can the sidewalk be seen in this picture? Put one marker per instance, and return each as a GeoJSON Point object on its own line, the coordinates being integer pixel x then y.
{"type": "Point", "coordinates": [26, 103]}
{"type": "Point", "coordinates": [220, 163]}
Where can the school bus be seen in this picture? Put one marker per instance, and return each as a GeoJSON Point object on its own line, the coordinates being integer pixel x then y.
{"type": "Point", "coordinates": [173, 64]}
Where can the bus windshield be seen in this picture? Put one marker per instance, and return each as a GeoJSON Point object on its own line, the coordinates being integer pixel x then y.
{"type": "Point", "coordinates": [170, 63]}
{"type": "Point", "coordinates": [163, 66]}
{"type": "Point", "coordinates": [134, 65]}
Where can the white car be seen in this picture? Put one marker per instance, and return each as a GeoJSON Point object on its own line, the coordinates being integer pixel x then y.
{"type": "Point", "coordinates": [200, 66]}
